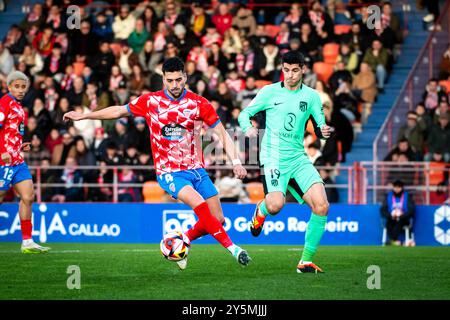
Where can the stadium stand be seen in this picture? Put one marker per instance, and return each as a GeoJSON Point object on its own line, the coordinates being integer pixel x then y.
{"type": "Point", "coordinates": [116, 55]}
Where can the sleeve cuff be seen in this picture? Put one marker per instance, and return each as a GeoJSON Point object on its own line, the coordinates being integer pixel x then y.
{"type": "Point", "coordinates": [215, 124]}
{"type": "Point", "coordinates": [128, 109]}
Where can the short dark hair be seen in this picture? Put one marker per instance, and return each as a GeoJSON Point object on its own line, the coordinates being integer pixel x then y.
{"type": "Point", "coordinates": [173, 65]}
{"type": "Point", "coordinates": [398, 183]}
{"type": "Point", "coordinates": [293, 57]}
{"type": "Point", "coordinates": [111, 145]}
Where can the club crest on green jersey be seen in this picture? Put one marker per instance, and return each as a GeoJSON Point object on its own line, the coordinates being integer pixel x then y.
{"type": "Point", "coordinates": [303, 106]}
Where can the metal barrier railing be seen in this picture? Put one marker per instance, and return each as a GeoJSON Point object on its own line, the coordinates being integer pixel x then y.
{"type": "Point", "coordinates": [366, 182]}
{"type": "Point", "coordinates": [115, 186]}
{"type": "Point", "coordinates": [426, 180]}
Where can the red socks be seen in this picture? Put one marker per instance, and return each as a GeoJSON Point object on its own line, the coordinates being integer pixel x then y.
{"type": "Point", "coordinates": [207, 223]}
{"type": "Point", "coordinates": [27, 228]}
{"type": "Point", "coordinates": [196, 231]}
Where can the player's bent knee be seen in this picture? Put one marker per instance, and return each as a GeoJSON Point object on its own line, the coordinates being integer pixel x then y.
{"type": "Point", "coordinates": [321, 208]}
{"type": "Point", "coordinates": [274, 207]}
{"type": "Point", "coordinates": [28, 199]}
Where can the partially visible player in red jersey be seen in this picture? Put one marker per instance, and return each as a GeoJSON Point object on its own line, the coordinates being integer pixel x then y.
{"type": "Point", "coordinates": [13, 169]}
{"type": "Point", "coordinates": [175, 117]}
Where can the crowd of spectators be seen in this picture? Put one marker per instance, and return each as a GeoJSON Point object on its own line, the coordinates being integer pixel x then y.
{"type": "Point", "coordinates": [230, 51]}
{"type": "Point", "coordinates": [425, 136]}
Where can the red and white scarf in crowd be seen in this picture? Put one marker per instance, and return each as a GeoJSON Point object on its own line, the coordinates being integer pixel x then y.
{"type": "Point", "coordinates": [245, 61]}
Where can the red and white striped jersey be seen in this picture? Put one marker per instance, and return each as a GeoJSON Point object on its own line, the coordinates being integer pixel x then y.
{"type": "Point", "coordinates": [175, 128]}
{"type": "Point", "coordinates": [12, 128]}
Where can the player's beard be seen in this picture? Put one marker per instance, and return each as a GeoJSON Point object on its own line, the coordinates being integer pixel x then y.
{"type": "Point", "coordinates": [176, 96]}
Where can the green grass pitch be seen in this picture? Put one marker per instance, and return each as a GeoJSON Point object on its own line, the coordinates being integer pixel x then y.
{"type": "Point", "coordinates": [138, 271]}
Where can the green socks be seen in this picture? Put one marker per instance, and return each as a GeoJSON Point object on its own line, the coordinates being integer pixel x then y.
{"type": "Point", "coordinates": [314, 232]}
{"type": "Point", "coordinates": [263, 208]}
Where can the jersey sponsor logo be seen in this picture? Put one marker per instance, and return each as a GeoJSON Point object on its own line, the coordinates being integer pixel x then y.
{"type": "Point", "coordinates": [274, 182]}
{"type": "Point", "coordinates": [49, 223]}
{"type": "Point", "coordinates": [2, 116]}
{"type": "Point", "coordinates": [287, 135]}
{"type": "Point", "coordinates": [2, 183]}
{"type": "Point", "coordinates": [173, 131]}
{"type": "Point", "coordinates": [289, 122]}
{"type": "Point", "coordinates": [303, 106]}
{"type": "Point", "coordinates": [278, 103]}
{"type": "Point", "coordinates": [172, 187]}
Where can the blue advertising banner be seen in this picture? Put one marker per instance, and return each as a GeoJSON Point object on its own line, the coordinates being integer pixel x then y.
{"type": "Point", "coordinates": [146, 223]}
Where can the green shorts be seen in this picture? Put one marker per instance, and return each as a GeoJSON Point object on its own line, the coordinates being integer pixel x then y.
{"type": "Point", "coordinates": [296, 177]}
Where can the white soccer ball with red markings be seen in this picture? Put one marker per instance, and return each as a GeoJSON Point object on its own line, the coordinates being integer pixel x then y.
{"type": "Point", "coordinates": [175, 246]}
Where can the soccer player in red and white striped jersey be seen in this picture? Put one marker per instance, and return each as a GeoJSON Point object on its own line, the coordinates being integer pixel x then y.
{"type": "Point", "coordinates": [175, 117]}
{"type": "Point", "coordinates": [13, 169]}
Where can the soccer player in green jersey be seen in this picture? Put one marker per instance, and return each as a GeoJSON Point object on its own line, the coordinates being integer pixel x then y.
{"type": "Point", "coordinates": [288, 106]}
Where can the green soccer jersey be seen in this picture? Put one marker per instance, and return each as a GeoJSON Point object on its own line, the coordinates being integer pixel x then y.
{"type": "Point", "coordinates": [287, 113]}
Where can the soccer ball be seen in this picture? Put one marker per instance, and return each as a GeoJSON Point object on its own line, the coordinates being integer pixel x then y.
{"type": "Point", "coordinates": [175, 246]}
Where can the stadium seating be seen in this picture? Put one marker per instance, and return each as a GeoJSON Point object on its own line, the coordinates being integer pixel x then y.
{"type": "Point", "coordinates": [436, 173]}
{"type": "Point", "coordinates": [272, 30]}
{"type": "Point", "coordinates": [342, 29]}
{"type": "Point", "coordinates": [255, 191]}
{"type": "Point", "coordinates": [445, 84]}
{"type": "Point", "coordinates": [261, 83]}
{"type": "Point", "coordinates": [323, 70]}
{"type": "Point", "coordinates": [330, 53]}
{"type": "Point", "coordinates": [152, 192]}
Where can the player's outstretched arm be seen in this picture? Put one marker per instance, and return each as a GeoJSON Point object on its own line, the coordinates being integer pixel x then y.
{"type": "Point", "coordinates": [113, 112]}
{"type": "Point", "coordinates": [230, 150]}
